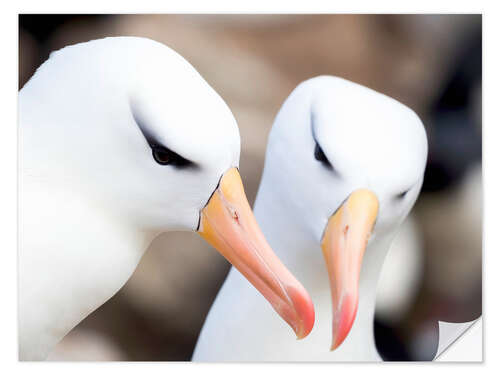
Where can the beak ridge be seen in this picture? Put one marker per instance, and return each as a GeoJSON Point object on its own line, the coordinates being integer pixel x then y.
{"type": "Point", "coordinates": [343, 244]}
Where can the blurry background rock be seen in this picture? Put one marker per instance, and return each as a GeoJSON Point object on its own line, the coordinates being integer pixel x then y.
{"type": "Point", "coordinates": [431, 63]}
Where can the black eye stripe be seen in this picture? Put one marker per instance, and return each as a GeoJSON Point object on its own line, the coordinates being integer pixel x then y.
{"type": "Point", "coordinates": [165, 156]}
{"type": "Point", "coordinates": [318, 151]}
{"type": "Point", "coordinates": [320, 156]}
{"type": "Point", "coordinates": [402, 194]}
{"type": "Point", "coordinates": [161, 154]}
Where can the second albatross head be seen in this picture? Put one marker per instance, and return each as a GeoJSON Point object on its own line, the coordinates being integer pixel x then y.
{"type": "Point", "coordinates": [353, 161]}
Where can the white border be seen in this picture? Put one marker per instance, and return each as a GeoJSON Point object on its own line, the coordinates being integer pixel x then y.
{"type": "Point", "coordinates": [491, 157]}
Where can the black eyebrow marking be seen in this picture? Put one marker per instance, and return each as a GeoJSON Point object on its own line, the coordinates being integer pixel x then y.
{"type": "Point", "coordinates": [154, 144]}
{"type": "Point", "coordinates": [148, 135]}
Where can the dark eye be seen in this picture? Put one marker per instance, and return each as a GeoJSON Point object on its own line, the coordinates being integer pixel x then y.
{"type": "Point", "coordinates": [320, 156]}
{"type": "Point", "coordinates": [164, 156]}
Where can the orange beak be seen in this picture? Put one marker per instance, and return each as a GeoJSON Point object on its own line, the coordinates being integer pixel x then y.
{"type": "Point", "coordinates": [344, 243]}
{"type": "Point", "coordinates": [228, 224]}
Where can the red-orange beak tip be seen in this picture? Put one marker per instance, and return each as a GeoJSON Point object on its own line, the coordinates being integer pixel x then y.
{"type": "Point", "coordinates": [343, 320]}
{"type": "Point", "coordinates": [305, 311]}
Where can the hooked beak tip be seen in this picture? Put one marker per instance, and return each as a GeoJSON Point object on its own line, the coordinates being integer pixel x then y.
{"type": "Point", "coordinates": [343, 320]}
{"type": "Point", "coordinates": [302, 318]}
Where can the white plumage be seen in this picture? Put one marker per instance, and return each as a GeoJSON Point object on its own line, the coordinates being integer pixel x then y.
{"type": "Point", "coordinates": [121, 139]}
{"type": "Point", "coordinates": [91, 196]}
{"type": "Point", "coordinates": [370, 142]}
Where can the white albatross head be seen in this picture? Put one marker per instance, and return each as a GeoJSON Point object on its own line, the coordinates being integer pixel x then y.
{"type": "Point", "coordinates": [353, 163]}
{"type": "Point", "coordinates": [131, 126]}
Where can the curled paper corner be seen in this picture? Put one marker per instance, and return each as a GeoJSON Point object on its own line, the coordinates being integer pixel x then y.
{"type": "Point", "coordinates": [457, 342]}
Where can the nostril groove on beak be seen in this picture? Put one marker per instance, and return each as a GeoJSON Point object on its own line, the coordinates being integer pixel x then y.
{"type": "Point", "coordinates": [236, 217]}
{"type": "Point", "coordinates": [346, 229]}
{"type": "Point", "coordinates": [230, 208]}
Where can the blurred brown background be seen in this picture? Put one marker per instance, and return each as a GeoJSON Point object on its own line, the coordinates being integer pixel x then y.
{"type": "Point", "coordinates": [432, 63]}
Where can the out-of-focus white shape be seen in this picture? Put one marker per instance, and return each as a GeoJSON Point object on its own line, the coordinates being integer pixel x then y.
{"type": "Point", "coordinates": [460, 342]}
{"type": "Point", "coordinates": [401, 273]}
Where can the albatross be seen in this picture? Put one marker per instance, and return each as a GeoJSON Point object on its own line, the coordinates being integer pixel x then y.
{"type": "Point", "coordinates": [344, 165]}
{"type": "Point", "coordinates": [121, 139]}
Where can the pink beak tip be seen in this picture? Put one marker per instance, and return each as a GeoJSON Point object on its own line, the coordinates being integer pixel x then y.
{"type": "Point", "coordinates": [344, 321]}
{"type": "Point", "coordinates": [305, 311]}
